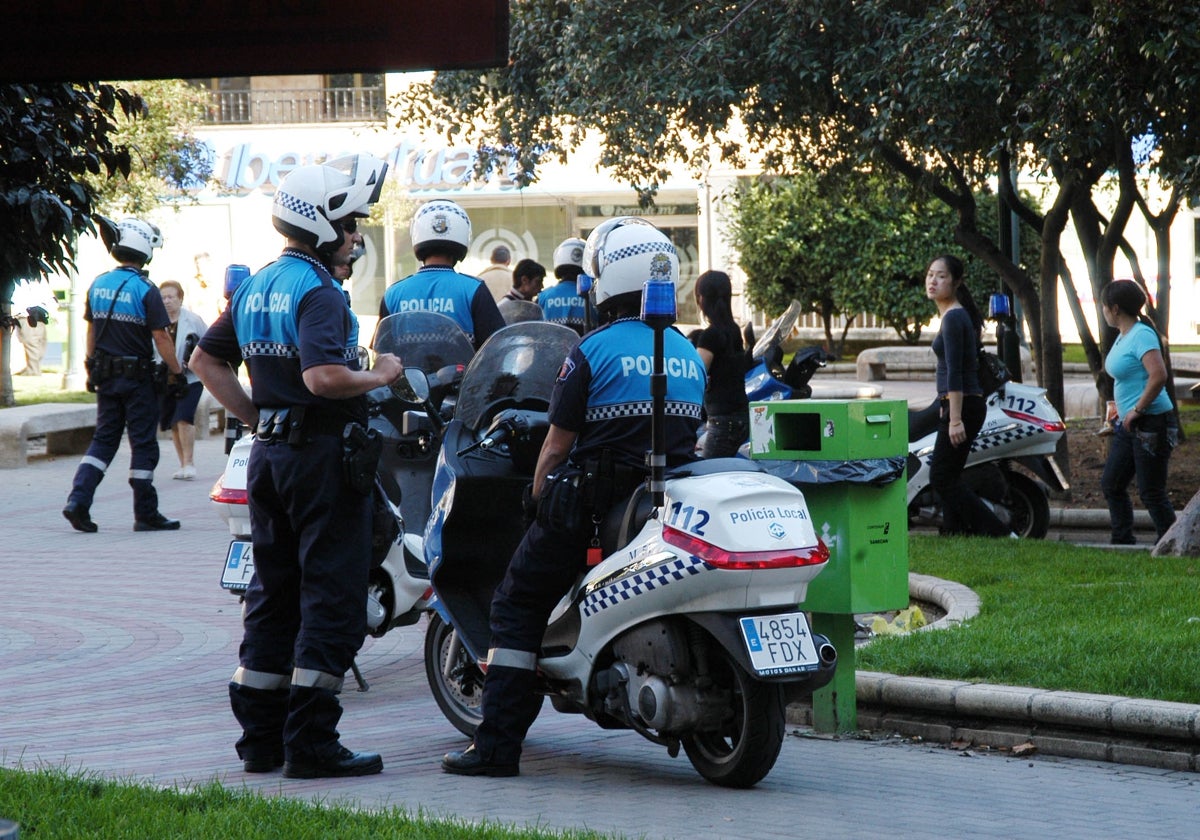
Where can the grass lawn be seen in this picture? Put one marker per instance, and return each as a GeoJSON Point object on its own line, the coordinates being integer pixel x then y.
{"type": "Point", "coordinates": [46, 388]}
{"type": "Point", "coordinates": [55, 805]}
{"type": "Point", "coordinates": [1058, 616]}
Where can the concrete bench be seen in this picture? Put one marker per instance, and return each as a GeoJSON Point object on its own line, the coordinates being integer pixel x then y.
{"type": "Point", "coordinates": [913, 363]}
{"type": "Point", "coordinates": [68, 428]}
{"type": "Point", "coordinates": [210, 418]}
{"type": "Point", "coordinates": [876, 363]}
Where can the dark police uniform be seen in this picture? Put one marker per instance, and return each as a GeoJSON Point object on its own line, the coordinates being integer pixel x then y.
{"type": "Point", "coordinates": [438, 288]}
{"type": "Point", "coordinates": [304, 617]}
{"type": "Point", "coordinates": [562, 304]}
{"type": "Point", "coordinates": [124, 308]}
{"type": "Point", "coordinates": [602, 394]}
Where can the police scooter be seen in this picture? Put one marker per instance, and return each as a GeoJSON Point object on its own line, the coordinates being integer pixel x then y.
{"type": "Point", "coordinates": [1021, 428]}
{"type": "Point", "coordinates": [434, 350]}
{"type": "Point", "coordinates": [686, 630]}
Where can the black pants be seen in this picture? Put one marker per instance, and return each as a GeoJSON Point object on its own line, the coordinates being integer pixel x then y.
{"type": "Point", "coordinates": [543, 568]}
{"type": "Point", "coordinates": [123, 405]}
{"type": "Point", "coordinates": [963, 512]}
{"type": "Point", "coordinates": [305, 612]}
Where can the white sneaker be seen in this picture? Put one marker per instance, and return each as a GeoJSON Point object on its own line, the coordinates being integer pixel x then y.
{"type": "Point", "coordinates": [187, 473]}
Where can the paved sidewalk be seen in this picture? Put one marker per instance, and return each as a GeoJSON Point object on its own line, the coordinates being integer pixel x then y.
{"type": "Point", "coordinates": [116, 648]}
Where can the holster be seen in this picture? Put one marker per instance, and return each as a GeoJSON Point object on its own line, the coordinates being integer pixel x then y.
{"type": "Point", "coordinates": [99, 370]}
{"type": "Point", "coordinates": [361, 450]}
{"type": "Point", "coordinates": [561, 507]}
{"type": "Point", "coordinates": [160, 377]}
{"type": "Point", "coordinates": [280, 425]}
{"type": "Point", "coordinates": [573, 496]}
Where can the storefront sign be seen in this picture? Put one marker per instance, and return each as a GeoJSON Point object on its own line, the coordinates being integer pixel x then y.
{"type": "Point", "coordinates": [247, 168]}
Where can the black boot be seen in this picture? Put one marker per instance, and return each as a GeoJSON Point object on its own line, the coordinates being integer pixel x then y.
{"type": "Point", "coordinates": [79, 518]}
{"type": "Point", "coordinates": [262, 714]}
{"type": "Point", "coordinates": [311, 736]}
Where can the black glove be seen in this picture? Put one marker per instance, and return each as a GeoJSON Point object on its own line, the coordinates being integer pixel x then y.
{"type": "Point", "coordinates": [177, 386]}
{"type": "Point", "coordinates": [529, 506]}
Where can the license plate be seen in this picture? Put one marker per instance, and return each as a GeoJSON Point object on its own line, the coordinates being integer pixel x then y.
{"type": "Point", "coordinates": [779, 644]}
{"type": "Point", "coordinates": [239, 566]}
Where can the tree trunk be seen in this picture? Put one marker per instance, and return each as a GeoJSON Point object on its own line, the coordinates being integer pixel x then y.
{"type": "Point", "coordinates": [1183, 538]}
{"type": "Point", "coordinates": [8, 396]}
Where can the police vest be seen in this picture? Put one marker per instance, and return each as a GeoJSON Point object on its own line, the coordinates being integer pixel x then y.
{"type": "Point", "coordinates": [121, 324]}
{"type": "Point", "coordinates": [562, 304]}
{"type": "Point", "coordinates": [266, 315]}
{"type": "Point", "coordinates": [435, 288]}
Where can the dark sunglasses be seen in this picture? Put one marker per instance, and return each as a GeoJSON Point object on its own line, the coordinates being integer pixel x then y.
{"type": "Point", "coordinates": [349, 225]}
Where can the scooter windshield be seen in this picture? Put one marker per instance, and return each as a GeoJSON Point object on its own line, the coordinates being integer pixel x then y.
{"type": "Point", "coordinates": [515, 368]}
{"type": "Point", "coordinates": [427, 341]}
{"type": "Point", "coordinates": [779, 332]}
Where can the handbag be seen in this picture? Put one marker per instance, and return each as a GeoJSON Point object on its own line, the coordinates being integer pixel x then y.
{"type": "Point", "coordinates": [992, 372]}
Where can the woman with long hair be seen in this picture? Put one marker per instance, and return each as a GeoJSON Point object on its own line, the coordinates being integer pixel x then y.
{"type": "Point", "coordinates": [720, 345]}
{"type": "Point", "coordinates": [963, 406]}
{"type": "Point", "coordinates": [1146, 430]}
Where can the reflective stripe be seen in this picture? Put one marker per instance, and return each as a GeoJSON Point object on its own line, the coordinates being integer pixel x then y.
{"type": "Point", "coordinates": [141, 475]}
{"type": "Point", "coordinates": [259, 679]}
{"type": "Point", "coordinates": [308, 678]}
{"type": "Point", "coordinates": [508, 658]}
{"type": "Point", "coordinates": [93, 461]}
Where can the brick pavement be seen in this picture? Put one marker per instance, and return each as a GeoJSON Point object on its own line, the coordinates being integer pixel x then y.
{"type": "Point", "coordinates": [115, 650]}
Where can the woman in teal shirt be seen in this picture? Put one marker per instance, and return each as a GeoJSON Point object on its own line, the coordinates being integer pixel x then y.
{"type": "Point", "coordinates": [1147, 430]}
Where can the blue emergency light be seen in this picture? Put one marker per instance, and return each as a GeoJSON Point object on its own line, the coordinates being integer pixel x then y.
{"type": "Point", "coordinates": [234, 275]}
{"type": "Point", "coordinates": [658, 300]}
{"type": "Point", "coordinates": [999, 307]}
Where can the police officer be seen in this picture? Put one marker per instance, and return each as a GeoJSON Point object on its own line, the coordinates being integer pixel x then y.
{"type": "Point", "coordinates": [441, 234]}
{"type": "Point", "coordinates": [562, 303]}
{"type": "Point", "coordinates": [126, 321]}
{"type": "Point", "coordinates": [600, 413]}
{"type": "Point", "coordinates": [310, 473]}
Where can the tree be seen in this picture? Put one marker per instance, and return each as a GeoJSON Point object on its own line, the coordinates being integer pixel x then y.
{"type": "Point", "coordinates": [167, 159]}
{"type": "Point", "coordinates": [63, 146]}
{"type": "Point", "coordinates": [849, 244]}
{"type": "Point", "coordinates": [55, 135]}
{"type": "Point", "coordinates": [946, 94]}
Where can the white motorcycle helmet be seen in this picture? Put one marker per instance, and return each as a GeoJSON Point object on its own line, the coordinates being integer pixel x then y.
{"type": "Point", "coordinates": [441, 226]}
{"type": "Point", "coordinates": [312, 197]}
{"type": "Point", "coordinates": [568, 257]}
{"type": "Point", "coordinates": [623, 253]}
{"type": "Point", "coordinates": [136, 241]}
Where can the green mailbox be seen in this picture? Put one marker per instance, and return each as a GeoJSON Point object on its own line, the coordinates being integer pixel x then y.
{"type": "Point", "coordinates": [847, 457]}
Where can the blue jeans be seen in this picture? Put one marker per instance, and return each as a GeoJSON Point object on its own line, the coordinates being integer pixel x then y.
{"type": "Point", "coordinates": [1144, 453]}
{"type": "Point", "coordinates": [724, 434]}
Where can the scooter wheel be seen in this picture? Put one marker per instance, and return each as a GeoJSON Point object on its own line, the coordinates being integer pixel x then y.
{"type": "Point", "coordinates": [454, 678]}
{"type": "Point", "coordinates": [1028, 506]}
{"type": "Point", "coordinates": [743, 750]}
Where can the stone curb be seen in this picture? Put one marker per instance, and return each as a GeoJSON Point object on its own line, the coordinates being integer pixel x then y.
{"type": "Point", "coordinates": [1099, 727]}
{"type": "Point", "coordinates": [1093, 518]}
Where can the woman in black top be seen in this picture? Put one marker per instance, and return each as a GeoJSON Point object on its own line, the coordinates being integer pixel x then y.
{"type": "Point", "coordinates": [720, 346]}
{"type": "Point", "coordinates": [963, 407]}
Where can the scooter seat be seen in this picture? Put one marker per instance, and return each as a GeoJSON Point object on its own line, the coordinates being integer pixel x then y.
{"type": "Point", "coordinates": [623, 521]}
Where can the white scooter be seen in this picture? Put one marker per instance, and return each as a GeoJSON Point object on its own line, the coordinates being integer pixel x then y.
{"type": "Point", "coordinates": [1021, 428]}
{"type": "Point", "coordinates": [398, 592]}
{"type": "Point", "coordinates": [688, 631]}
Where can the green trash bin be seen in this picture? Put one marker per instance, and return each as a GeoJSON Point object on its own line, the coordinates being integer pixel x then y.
{"type": "Point", "coordinates": [848, 458]}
